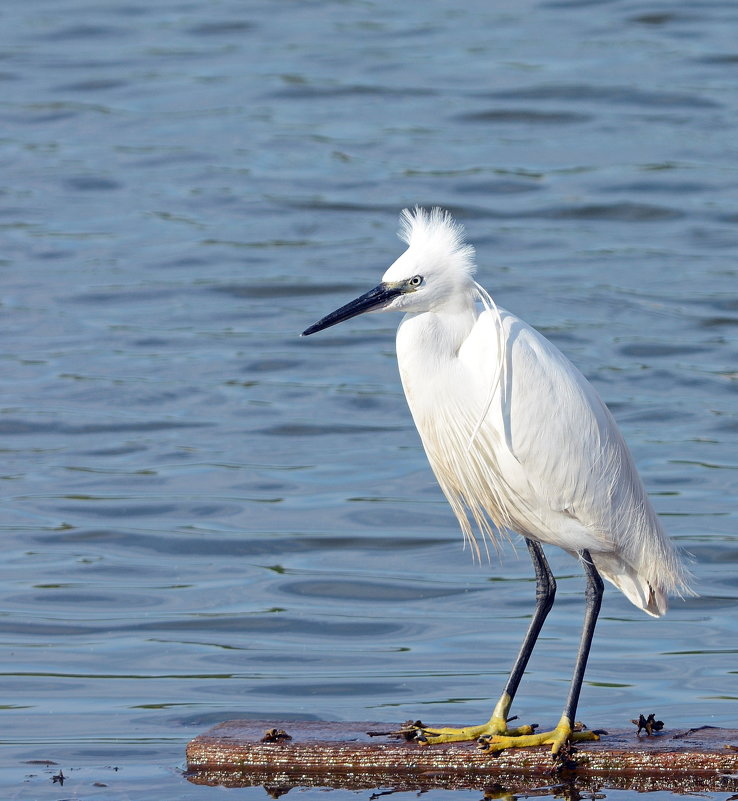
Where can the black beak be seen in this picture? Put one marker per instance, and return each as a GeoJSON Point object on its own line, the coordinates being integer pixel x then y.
{"type": "Point", "coordinates": [373, 300]}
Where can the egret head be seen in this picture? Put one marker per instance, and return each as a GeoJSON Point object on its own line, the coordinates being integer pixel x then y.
{"type": "Point", "coordinates": [436, 271]}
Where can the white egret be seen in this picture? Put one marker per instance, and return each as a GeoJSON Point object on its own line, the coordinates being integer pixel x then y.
{"type": "Point", "coordinates": [519, 441]}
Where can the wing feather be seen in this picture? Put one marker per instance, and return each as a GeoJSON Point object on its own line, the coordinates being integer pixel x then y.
{"type": "Point", "coordinates": [569, 473]}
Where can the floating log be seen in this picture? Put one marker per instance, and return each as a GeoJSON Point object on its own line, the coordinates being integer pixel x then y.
{"type": "Point", "coordinates": [342, 755]}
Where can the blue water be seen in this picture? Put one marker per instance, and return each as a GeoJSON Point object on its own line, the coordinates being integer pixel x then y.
{"type": "Point", "coordinates": [205, 517]}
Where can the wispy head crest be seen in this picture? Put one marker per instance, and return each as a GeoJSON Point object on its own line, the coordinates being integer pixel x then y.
{"type": "Point", "coordinates": [436, 231]}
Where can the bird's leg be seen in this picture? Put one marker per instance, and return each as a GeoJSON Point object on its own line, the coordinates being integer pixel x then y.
{"type": "Point", "coordinates": [564, 731]}
{"type": "Point", "coordinates": [497, 724]}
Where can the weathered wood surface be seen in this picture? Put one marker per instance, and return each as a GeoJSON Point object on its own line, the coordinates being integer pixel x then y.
{"type": "Point", "coordinates": [343, 755]}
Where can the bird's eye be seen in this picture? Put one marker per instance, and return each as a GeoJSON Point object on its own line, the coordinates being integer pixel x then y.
{"type": "Point", "coordinates": [416, 281]}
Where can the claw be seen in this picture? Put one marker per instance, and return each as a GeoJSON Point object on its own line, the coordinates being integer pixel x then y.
{"type": "Point", "coordinates": [562, 735]}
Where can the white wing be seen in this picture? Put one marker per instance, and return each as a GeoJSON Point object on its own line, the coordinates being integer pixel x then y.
{"type": "Point", "coordinates": [568, 477]}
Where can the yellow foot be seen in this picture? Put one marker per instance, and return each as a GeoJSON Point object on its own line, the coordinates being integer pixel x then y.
{"type": "Point", "coordinates": [426, 735]}
{"type": "Point", "coordinates": [561, 735]}
{"type": "Point", "coordinates": [496, 726]}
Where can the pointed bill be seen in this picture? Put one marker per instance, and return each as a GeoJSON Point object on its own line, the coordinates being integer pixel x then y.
{"type": "Point", "coordinates": [373, 300]}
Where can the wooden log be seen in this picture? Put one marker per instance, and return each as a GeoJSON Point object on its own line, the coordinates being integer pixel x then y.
{"type": "Point", "coordinates": [343, 755]}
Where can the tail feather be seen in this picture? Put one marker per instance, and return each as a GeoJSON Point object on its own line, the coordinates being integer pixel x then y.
{"type": "Point", "coordinates": [637, 589]}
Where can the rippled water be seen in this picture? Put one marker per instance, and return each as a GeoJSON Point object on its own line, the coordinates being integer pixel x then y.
{"type": "Point", "coordinates": [206, 517]}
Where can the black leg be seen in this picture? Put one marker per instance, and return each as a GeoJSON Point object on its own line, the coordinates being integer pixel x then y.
{"type": "Point", "coordinates": [545, 594]}
{"type": "Point", "coordinates": [563, 732]}
{"type": "Point", "coordinates": [593, 599]}
{"type": "Point", "coordinates": [495, 734]}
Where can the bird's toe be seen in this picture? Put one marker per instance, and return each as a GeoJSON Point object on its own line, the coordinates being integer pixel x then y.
{"type": "Point", "coordinates": [557, 738]}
